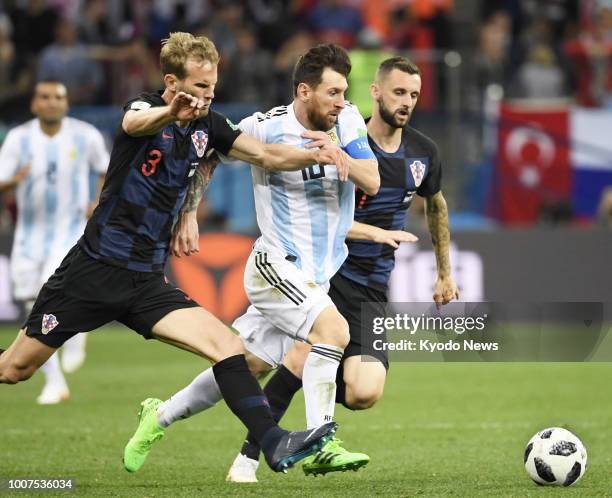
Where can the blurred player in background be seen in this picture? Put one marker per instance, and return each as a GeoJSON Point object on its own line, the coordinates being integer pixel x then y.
{"type": "Point", "coordinates": [57, 164]}
{"type": "Point", "coordinates": [304, 217]}
{"type": "Point", "coordinates": [115, 271]}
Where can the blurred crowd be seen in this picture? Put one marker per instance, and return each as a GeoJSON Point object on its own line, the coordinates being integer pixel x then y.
{"type": "Point", "coordinates": [545, 49]}
{"type": "Point", "coordinates": [106, 50]}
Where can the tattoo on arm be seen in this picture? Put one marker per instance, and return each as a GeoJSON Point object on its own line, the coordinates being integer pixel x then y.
{"type": "Point", "coordinates": [437, 220]}
{"type": "Point", "coordinates": [198, 184]}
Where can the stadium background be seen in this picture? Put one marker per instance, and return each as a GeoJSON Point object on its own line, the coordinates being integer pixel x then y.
{"type": "Point", "coordinates": [517, 94]}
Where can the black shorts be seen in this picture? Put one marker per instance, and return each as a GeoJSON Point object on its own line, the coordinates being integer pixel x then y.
{"type": "Point", "coordinates": [349, 296]}
{"type": "Point", "coordinates": [84, 294]}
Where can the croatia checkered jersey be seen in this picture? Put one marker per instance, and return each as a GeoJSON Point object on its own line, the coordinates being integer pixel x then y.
{"type": "Point", "coordinates": [146, 186]}
{"type": "Point", "coordinates": [414, 167]}
{"type": "Point", "coordinates": [305, 215]}
{"type": "Point", "coordinates": [53, 198]}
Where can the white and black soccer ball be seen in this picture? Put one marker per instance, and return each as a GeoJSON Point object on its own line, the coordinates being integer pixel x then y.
{"type": "Point", "coordinates": [555, 457]}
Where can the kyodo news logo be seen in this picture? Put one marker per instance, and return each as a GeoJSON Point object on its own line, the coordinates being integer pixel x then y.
{"type": "Point", "coordinates": [415, 272]}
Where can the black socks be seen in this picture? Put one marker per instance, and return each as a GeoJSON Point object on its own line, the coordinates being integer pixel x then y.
{"type": "Point", "coordinates": [245, 398]}
{"type": "Point", "coordinates": [279, 390]}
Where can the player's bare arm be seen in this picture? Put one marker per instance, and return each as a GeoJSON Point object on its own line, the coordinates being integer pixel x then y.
{"type": "Point", "coordinates": [280, 157]}
{"type": "Point", "coordinates": [183, 108]}
{"type": "Point", "coordinates": [393, 238]}
{"type": "Point", "coordinates": [362, 172]}
{"type": "Point", "coordinates": [445, 289]}
{"type": "Point", "coordinates": [186, 235]}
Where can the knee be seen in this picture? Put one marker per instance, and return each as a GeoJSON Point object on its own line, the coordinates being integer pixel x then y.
{"type": "Point", "coordinates": [361, 399]}
{"type": "Point", "coordinates": [334, 331]}
{"type": "Point", "coordinates": [257, 366]}
{"type": "Point", "coordinates": [258, 372]}
{"type": "Point", "coordinates": [341, 335]}
{"type": "Point", "coordinates": [231, 345]}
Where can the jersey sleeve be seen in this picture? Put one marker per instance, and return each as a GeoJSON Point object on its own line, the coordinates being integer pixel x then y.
{"type": "Point", "coordinates": [354, 133]}
{"type": "Point", "coordinates": [9, 156]}
{"type": "Point", "coordinates": [97, 154]}
{"type": "Point", "coordinates": [254, 126]}
{"type": "Point", "coordinates": [225, 133]}
{"type": "Point", "coordinates": [140, 103]}
{"type": "Point", "coordinates": [433, 181]}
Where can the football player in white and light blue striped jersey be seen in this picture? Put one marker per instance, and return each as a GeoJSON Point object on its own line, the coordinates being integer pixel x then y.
{"type": "Point", "coordinates": [55, 163]}
{"type": "Point", "coordinates": [304, 217]}
{"type": "Point", "coordinates": [306, 214]}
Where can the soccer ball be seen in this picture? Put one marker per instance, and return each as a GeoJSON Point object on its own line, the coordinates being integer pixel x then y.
{"type": "Point", "coordinates": [555, 457]}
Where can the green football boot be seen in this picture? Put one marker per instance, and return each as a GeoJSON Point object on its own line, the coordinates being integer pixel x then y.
{"type": "Point", "coordinates": [148, 431]}
{"type": "Point", "coordinates": [333, 458]}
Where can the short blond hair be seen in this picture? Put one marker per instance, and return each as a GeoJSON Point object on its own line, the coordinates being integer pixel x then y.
{"type": "Point", "coordinates": [180, 47]}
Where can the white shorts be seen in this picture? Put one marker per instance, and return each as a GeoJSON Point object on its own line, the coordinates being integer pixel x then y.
{"type": "Point", "coordinates": [285, 302]}
{"type": "Point", "coordinates": [28, 275]}
{"type": "Point", "coordinates": [261, 338]}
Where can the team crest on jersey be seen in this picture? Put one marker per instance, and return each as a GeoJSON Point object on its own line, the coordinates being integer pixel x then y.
{"type": "Point", "coordinates": [417, 168]}
{"type": "Point", "coordinates": [49, 322]}
{"type": "Point", "coordinates": [200, 140]}
{"type": "Point", "coordinates": [333, 136]}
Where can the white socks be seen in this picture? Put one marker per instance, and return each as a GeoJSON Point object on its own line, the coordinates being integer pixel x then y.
{"type": "Point", "coordinates": [319, 383]}
{"type": "Point", "coordinates": [76, 344]}
{"type": "Point", "coordinates": [73, 353]}
{"type": "Point", "coordinates": [53, 373]}
{"type": "Point", "coordinates": [201, 394]}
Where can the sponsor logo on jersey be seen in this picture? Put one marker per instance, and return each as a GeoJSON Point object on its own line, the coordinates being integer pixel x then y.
{"type": "Point", "coordinates": [49, 322]}
{"type": "Point", "coordinates": [200, 140]}
{"type": "Point", "coordinates": [417, 168]}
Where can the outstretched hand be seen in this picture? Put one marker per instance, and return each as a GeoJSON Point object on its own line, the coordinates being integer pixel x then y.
{"type": "Point", "coordinates": [394, 238]}
{"type": "Point", "coordinates": [186, 107]}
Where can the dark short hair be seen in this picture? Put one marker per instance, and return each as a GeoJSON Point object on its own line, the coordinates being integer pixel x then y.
{"type": "Point", "coordinates": [401, 63]}
{"type": "Point", "coordinates": [310, 66]}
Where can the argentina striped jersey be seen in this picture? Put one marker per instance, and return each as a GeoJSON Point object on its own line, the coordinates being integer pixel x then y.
{"type": "Point", "coordinates": [305, 215]}
{"type": "Point", "coordinates": [53, 198]}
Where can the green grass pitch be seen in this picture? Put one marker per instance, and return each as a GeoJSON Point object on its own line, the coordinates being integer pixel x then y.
{"type": "Point", "coordinates": [441, 429]}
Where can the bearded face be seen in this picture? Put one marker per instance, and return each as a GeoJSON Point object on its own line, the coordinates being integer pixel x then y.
{"type": "Point", "coordinates": [396, 118]}
{"type": "Point", "coordinates": [397, 96]}
{"type": "Point", "coordinates": [326, 100]}
{"type": "Point", "coordinates": [320, 116]}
